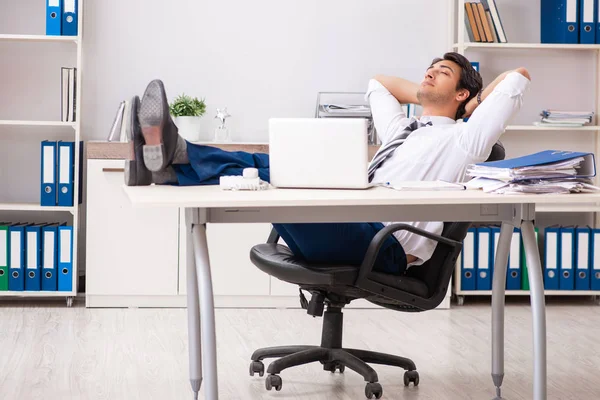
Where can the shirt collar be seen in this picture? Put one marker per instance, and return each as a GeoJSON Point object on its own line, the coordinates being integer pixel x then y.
{"type": "Point", "coordinates": [437, 120]}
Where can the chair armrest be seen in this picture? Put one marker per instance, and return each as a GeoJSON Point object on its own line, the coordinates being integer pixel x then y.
{"type": "Point", "coordinates": [369, 261]}
{"type": "Point", "coordinates": [273, 237]}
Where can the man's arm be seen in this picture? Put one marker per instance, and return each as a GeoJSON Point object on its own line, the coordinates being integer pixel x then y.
{"type": "Point", "coordinates": [504, 98]}
{"type": "Point", "coordinates": [387, 112]}
{"type": "Point", "coordinates": [403, 90]}
{"type": "Point", "coordinates": [472, 104]}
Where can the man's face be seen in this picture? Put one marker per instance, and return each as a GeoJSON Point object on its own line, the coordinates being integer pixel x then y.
{"type": "Point", "coordinates": [439, 83]}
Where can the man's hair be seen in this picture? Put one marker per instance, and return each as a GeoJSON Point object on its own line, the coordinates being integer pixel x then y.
{"type": "Point", "coordinates": [469, 78]}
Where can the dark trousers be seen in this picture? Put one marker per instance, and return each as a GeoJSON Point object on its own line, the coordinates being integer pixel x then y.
{"type": "Point", "coordinates": [326, 243]}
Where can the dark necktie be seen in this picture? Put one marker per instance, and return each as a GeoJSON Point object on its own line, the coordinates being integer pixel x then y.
{"type": "Point", "coordinates": [388, 149]}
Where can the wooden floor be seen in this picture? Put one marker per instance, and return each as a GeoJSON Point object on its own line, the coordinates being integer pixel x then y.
{"type": "Point", "coordinates": [59, 353]}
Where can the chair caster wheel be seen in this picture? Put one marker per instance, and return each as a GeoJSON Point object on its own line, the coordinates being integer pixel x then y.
{"type": "Point", "coordinates": [332, 367]}
{"type": "Point", "coordinates": [373, 389]}
{"type": "Point", "coordinates": [257, 367]}
{"type": "Point", "coordinates": [411, 376]}
{"type": "Point", "coordinates": [273, 381]}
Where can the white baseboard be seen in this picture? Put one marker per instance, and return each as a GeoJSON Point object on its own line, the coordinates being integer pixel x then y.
{"type": "Point", "coordinates": [104, 301]}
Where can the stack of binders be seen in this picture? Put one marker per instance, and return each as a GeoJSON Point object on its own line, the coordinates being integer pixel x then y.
{"type": "Point", "coordinates": [570, 21]}
{"type": "Point", "coordinates": [479, 255]}
{"type": "Point", "coordinates": [570, 258]}
{"type": "Point", "coordinates": [550, 171]}
{"type": "Point", "coordinates": [58, 173]}
{"type": "Point", "coordinates": [62, 17]}
{"type": "Point", "coordinates": [36, 257]}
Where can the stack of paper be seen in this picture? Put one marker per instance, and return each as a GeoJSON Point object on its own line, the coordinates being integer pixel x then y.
{"type": "Point", "coordinates": [347, 110]}
{"type": "Point", "coordinates": [548, 171]}
{"type": "Point", "coordinates": [534, 186]}
{"type": "Point", "coordinates": [565, 118]}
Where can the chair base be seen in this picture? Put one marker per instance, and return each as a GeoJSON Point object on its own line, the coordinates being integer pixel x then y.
{"type": "Point", "coordinates": [333, 358]}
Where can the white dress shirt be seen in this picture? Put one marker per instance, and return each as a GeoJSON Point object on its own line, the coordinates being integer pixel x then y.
{"type": "Point", "coordinates": [441, 151]}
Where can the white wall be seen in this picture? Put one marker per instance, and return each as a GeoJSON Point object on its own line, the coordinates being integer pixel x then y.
{"type": "Point", "coordinates": [259, 58]}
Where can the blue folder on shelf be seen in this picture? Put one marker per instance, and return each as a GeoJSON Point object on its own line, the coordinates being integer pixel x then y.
{"type": "Point", "coordinates": [551, 258]}
{"type": "Point", "coordinates": [49, 257]}
{"type": "Point", "coordinates": [65, 258]}
{"type": "Point", "coordinates": [587, 21]}
{"type": "Point", "coordinates": [484, 258]}
{"type": "Point", "coordinates": [468, 268]}
{"type": "Point", "coordinates": [582, 259]}
{"type": "Point", "coordinates": [48, 173]}
{"type": "Point", "coordinates": [70, 20]}
{"type": "Point", "coordinates": [595, 257]}
{"type": "Point", "coordinates": [513, 273]}
{"type": "Point", "coordinates": [33, 281]}
{"type": "Point", "coordinates": [66, 173]}
{"type": "Point", "coordinates": [567, 258]}
{"type": "Point", "coordinates": [559, 21]}
{"type": "Point", "coordinates": [597, 5]}
{"type": "Point", "coordinates": [54, 16]}
{"type": "Point", "coordinates": [16, 257]}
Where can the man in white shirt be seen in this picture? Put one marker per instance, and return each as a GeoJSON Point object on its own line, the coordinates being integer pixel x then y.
{"type": "Point", "coordinates": [450, 90]}
{"type": "Point", "coordinates": [437, 148]}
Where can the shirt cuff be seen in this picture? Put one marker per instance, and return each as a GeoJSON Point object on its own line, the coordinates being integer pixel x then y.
{"type": "Point", "coordinates": [422, 254]}
{"type": "Point", "coordinates": [513, 84]}
{"type": "Point", "coordinates": [374, 85]}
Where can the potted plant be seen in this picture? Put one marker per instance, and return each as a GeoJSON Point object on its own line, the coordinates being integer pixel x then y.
{"type": "Point", "coordinates": [187, 112]}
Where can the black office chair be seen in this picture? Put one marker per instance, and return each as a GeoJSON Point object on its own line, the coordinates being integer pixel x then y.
{"type": "Point", "coordinates": [421, 288]}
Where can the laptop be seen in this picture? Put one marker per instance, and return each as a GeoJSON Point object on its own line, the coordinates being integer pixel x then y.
{"type": "Point", "coordinates": [320, 153]}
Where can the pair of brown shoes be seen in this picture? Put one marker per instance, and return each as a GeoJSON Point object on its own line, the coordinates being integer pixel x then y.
{"type": "Point", "coordinates": [152, 135]}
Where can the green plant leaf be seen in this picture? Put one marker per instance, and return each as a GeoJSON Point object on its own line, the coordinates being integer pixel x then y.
{"type": "Point", "coordinates": [186, 106]}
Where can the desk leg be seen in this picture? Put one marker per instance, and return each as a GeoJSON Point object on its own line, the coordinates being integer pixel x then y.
{"type": "Point", "coordinates": [538, 310]}
{"type": "Point", "coordinates": [498, 296]}
{"type": "Point", "coordinates": [193, 310]}
{"type": "Point", "coordinates": [207, 313]}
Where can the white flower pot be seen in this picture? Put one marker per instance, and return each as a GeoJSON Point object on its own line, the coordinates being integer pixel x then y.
{"type": "Point", "coordinates": [188, 127]}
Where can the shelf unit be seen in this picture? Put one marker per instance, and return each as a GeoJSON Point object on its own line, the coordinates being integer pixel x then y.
{"type": "Point", "coordinates": [462, 45]}
{"type": "Point", "coordinates": [39, 38]}
{"type": "Point", "coordinates": [76, 130]}
{"type": "Point", "coordinates": [34, 207]}
{"type": "Point", "coordinates": [39, 123]}
{"type": "Point", "coordinates": [551, 128]}
{"type": "Point", "coordinates": [459, 43]}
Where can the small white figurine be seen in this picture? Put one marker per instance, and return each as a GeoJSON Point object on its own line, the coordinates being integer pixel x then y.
{"type": "Point", "coordinates": [222, 115]}
{"type": "Point", "coordinates": [221, 132]}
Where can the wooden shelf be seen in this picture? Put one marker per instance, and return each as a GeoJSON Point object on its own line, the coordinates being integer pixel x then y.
{"type": "Point", "coordinates": [33, 207]}
{"type": "Point", "coordinates": [37, 123]}
{"type": "Point", "coordinates": [527, 293]}
{"type": "Point", "coordinates": [541, 46]}
{"type": "Point", "coordinates": [39, 38]}
{"type": "Point", "coordinates": [586, 128]}
{"type": "Point", "coordinates": [26, 293]}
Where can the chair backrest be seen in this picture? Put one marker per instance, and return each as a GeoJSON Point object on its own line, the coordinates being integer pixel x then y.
{"type": "Point", "coordinates": [433, 272]}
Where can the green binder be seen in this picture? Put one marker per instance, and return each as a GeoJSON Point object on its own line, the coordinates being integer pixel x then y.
{"type": "Point", "coordinates": [3, 257]}
{"type": "Point", "coordinates": [524, 270]}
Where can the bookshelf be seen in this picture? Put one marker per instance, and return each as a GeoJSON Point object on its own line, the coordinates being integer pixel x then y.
{"type": "Point", "coordinates": [39, 123]}
{"type": "Point", "coordinates": [531, 46]}
{"type": "Point", "coordinates": [459, 42]}
{"type": "Point", "coordinates": [73, 129]}
{"type": "Point", "coordinates": [39, 38]}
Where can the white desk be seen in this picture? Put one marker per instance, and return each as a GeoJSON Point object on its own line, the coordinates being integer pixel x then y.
{"type": "Point", "coordinates": [209, 204]}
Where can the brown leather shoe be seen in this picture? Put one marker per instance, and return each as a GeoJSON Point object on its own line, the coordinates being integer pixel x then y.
{"type": "Point", "coordinates": [158, 129]}
{"type": "Point", "coordinates": [136, 173]}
